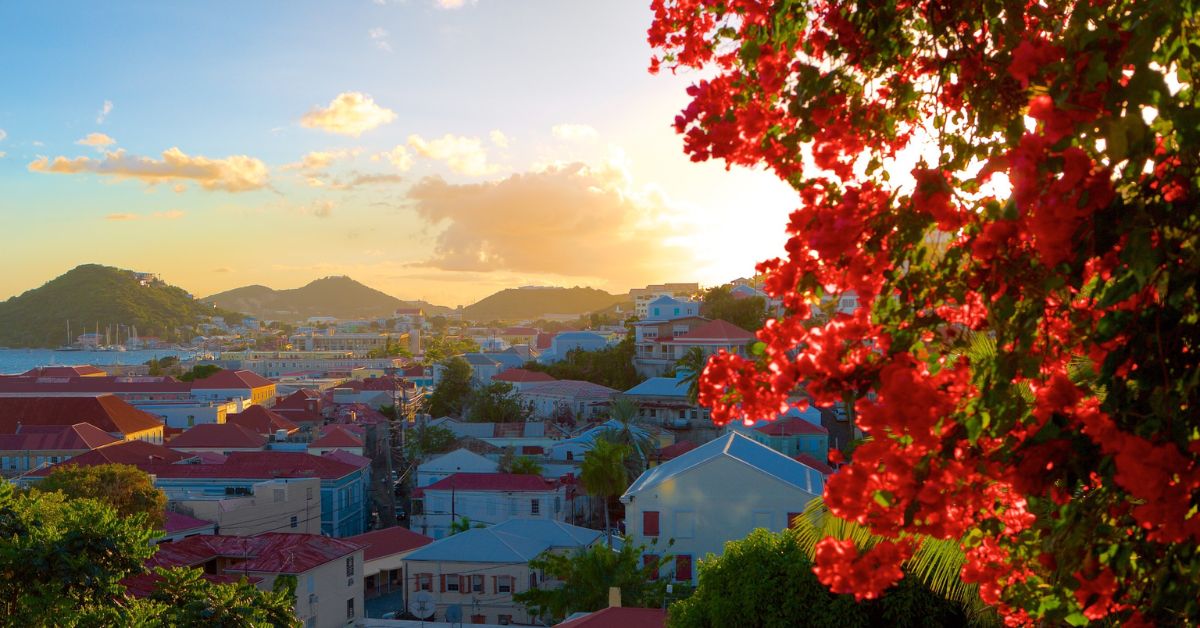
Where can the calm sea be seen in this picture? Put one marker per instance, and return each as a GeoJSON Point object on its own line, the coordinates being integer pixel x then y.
{"type": "Point", "coordinates": [21, 360]}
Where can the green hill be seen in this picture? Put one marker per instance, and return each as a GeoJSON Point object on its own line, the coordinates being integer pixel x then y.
{"type": "Point", "coordinates": [92, 295]}
{"type": "Point", "coordinates": [532, 303]}
{"type": "Point", "coordinates": [341, 297]}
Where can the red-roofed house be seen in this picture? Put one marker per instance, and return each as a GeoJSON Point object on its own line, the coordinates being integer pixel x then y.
{"type": "Point", "coordinates": [519, 335]}
{"type": "Point", "coordinates": [671, 452]}
{"type": "Point", "coordinates": [383, 556]}
{"type": "Point", "coordinates": [814, 463]}
{"type": "Point", "coordinates": [221, 438]}
{"type": "Point", "coordinates": [35, 445]}
{"type": "Point", "coordinates": [226, 384]}
{"type": "Point", "coordinates": [134, 452]}
{"type": "Point", "coordinates": [487, 498]}
{"type": "Point", "coordinates": [107, 412]}
{"type": "Point", "coordinates": [522, 378]}
{"type": "Point", "coordinates": [619, 617]}
{"type": "Point", "coordinates": [179, 526]}
{"type": "Point", "coordinates": [710, 338]}
{"type": "Point", "coordinates": [793, 435]}
{"type": "Point", "coordinates": [262, 421]}
{"type": "Point", "coordinates": [328, 571]}
{"type": "Point", "coordinates": [652, 358]}
{"type": "Point", "coordinates": [82, 370]}
{"type": "Point", "coordinates": [337, 437]}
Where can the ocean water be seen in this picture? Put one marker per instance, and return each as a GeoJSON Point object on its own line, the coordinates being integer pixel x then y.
{"type": "Point", "coordinates": [21, 360]}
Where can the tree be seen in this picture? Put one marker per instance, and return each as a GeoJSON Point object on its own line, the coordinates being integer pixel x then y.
{"type": "Point", "coordinates": [524, 465]}
{"type": "Point", "coordinates": [200, 371]}
{"type": "Point", "coordinates": [453, 390]}
{"type": "Point", "coordinates": [124, 487]}
{"type": "Point", "coordinates": [586, 576]}
{"type": "Point", "coordinates": [743, 587]}
{"type": "Point", "coordinates": [1052, 209]}
{"type": "Point", "coordinates": [604, 475]}
{"type": "Point", "coordinates": [720, 304]}
{"type": "Point", "coordinates": [441, 348]}
{"type": "Point", "coordinates": [611, 366]}
{"type": "Point", "coordinates": [693, 362]}
{"type": "Point", "coordinates": [639, 445]}
{"type": "Point", "coordinates": [498, 402]}
{"type": "Point", "coordinates": [462, 524]}
{"type": "Point", "coordinates": [187, 599]}
{"type": "Point", "coordinates": [433, 439]}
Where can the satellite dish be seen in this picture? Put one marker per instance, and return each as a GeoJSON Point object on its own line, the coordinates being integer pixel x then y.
{"type": "Point", "coordinates": [422, 605]}
{"type": "Point", "coordinates": [454, 613]}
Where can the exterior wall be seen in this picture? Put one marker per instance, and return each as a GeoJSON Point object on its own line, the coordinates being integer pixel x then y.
{"type": "Point", "coordinates": [14, 463]}
{"type": "Point", "coordinates": [188, 414]}
{"type": "Point", "coordinates": [320, 451]}
{"type": "Point", "coordinates": [264, 511]}
{"type": "Point", "coordinates": [671, 411]}
{"type": "Point", "coordinates": [152, 435]}
{"type": "Point", "coordinates": [261, 396]}
{"type": "Point", "coordinates": [582, 406]}
{"type": "Point", "coordinates": [432, 471]}
{"type": "Point", "coordinates": [487, 507]}
{"type": "Point", "coordinates": [216, 450]}
{"type": "Point", "coordinates": [815, 445]}
{"type": "Point", "coordinates": [384, 575]}
{"type": "Point", "coordinates": [359, 344]}
{"type": "Point", "coordinates": [643, 296]}
{"type": "Point", "coordinates": [324, 593]}
{"type": "Point", "coordinates": [490, 602]}
{"type": "Point", "coordinates": [723, 500]}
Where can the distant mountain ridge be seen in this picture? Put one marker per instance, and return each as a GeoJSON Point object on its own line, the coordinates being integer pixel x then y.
{"type": "Point", "coordinates": [340, 297]}
{"type": "Point", "coordinates": [531, 303]}
{"type": "Point", "coordinates": [93, 295]}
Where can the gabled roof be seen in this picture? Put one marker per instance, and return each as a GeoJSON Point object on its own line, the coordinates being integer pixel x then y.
{"type": "Point", "coordinates": [77, 437]}
{"type": "Point", "coordinates": [791, 426]}
{"type": "Point", "coordinates": [811, 462]}
{"type": "Point", "coordinates": [261, 420]}
{"type": "Point", "coordinates": [256, 465]}
{"type": "Point", "coordinates": [270, 552]}
{"type": "Point", "coordinates": [217, 435]}
{"type": "Point", "coordinates": [337, 436]}
{"type": "Point", "coordinates": [660, 387]}
{"type": "Point", "coordinates": [713, 331]}
{"type": "Point", "coordinates": [454, 462]}
{"type": "Point", "coordinates": [298, 400]}
{"type": "Point", "coordinates": [619, 617]}
{"type": "Point", "coordinates": [341, 455]}
{"type": "Point", "coordinates": [388, 541]}
{"type": "Point", "coordinates": [671, 452]}
{"type": "Point", "coordinates": [522, 375]}
{"type": "Point", "coordinates": [175, 522]}
{"type": "Point", "coordinates": [106, 412]}
{"type": "Point", "coordinates": [227, 379]}
{"type": "Point", "coordinates": [478, 359]}
{"type": "Point", "coordinates": [134, 452]}
{"type": "Point", "coordinates": [505, 482]}
{"type": "Point", "coordinates": [737, 447]}
{"type": "Point", "coordinates": [299, 415]}
{"type": "Point", "coordinates": [556, 533]}
{"type": "Point", "coordinates": [481, 545]}
{"type": "Point", "coordinates": [81, 370]}
{"type": "Point", "coordinates": [570, 388]}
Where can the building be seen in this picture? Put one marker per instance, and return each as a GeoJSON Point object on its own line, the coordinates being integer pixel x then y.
{"type": "Point", "coordinates": [328, 571]}
{"type": "Point", "coordinates": [260, 420]}
{"type": "Point", "coordinates": [664, 401]}
{"type": "Point", "coordinates": [221, 438]}
{"type": "Point", "coordinates": [226, 384]}
{"type": "Point", "coordinates": [665, 308]}
{"type": "Point", "coordinates": [360, 344]}
{"type": "Point", "coordinates": [457, 461]}
{"type": "Point", "coordinates": [80, 370]}
{"type": "Point", "coordinates": [650, 358]}
{"type": "Point", "coordinates": [643, 296]}
{"type": "Point", "coordinates": [487, 498]}
{"type": "Point", "coordinates": [618, 617]}
{"type": "Point", "coordinates": [277, 505]}
{"type": "Point", "coordinates": [334, 438]}
{"type": "Point", "coordinates": [582, 400]}
{"type": "Point", "coordinates": [574, 448]}
{"type": "Point", "coordinates": [567, 341]}
{"type": "Point", "coordinates": [519, 335]}
{"type": "Point", "coordinates": [480, 569]}
{"type": "Point", "coordinates": [35, 445]}
{"type": "Point", "coordinates": [107, 412]}
{"type": "Point", "coordinates": [658, 352]}
{"type": "Point", "coordinates": [177, 526]}
{"type": "Point", "coordinates": [792, 434]}
{"type": "Point", "coordinates": [521, 379]}
{"type": "Point", "coordinates": [383, 560]}
{"type": "Point", "coordinates": [715, 493]}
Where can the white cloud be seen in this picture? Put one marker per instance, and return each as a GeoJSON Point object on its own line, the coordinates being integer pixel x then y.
{"type": "Point", "coordinates": [574, 132]}
{"type": "Point", "coordinates": [351, 113]}
{"type": "Point", "coordinates": [464, 155]}
{"type": "Point", "coordinates": [399, 156]}
{"type": "Point", "coordinates": [99, 140]}
{"type": "Point", "coordinates": [3, 154]}
{"type": "Point", "coordinates": [321, 209]}
{"type": "Point", "coordinates": [121, 217]}
{"type": "Point", "coordinates": [236, 173]}
{"type": "Point", "coordinates": [171, 214]}
{"type": "Point", "coordinates": [104, 111]}
{"type": "Point", "coordinates": [3, 135]}
{"type": "Point", "coordinates": [318, 160]}
{"type": "Point", "coordinates": [451, 4]}
{"type": "Point", "coordinates": [380, 37]}
{"type": "Point", "coordinates": [499, 138]}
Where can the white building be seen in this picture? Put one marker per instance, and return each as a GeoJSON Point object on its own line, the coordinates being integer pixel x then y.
{"type": "Point", "coordinates": [457, 461]}
{"type": "Point", "coordinates": [643, 296]}
{"type": "Point", "coordinates": [715, 493]}
{"type": "Point", "coordinates": [487, 498]}
{"type": "Point", "coordinates": [584, 400]}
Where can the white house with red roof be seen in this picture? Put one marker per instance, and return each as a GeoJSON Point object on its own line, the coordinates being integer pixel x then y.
{"type": "Point", "coordinates": [283, 504]}
{"type": "Point", "coordinates": [584, 400]}
{"type": "Point", "coordinates": [35, 445]}
{"type": "Point", "coordinates": [383, 559]}
{"type": "Point", "coordinates": [263, 421]}
{"type": "Point", "coordinates": [328, 571]}
{"type": "Point", "coordinates": [487, 498]}
{"type": "Point", "coordinates": [794, 433]}
{"type": "Point", "coordinates": [657, 356]}
{"type": "Point", "coordinates": [521, 379]}
{"type": "Point", "coordinates": [227, 384]}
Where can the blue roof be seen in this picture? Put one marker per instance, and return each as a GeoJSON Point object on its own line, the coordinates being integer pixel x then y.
{"type": "Point", "coordinates": [481, 545]}
{"type": "Point", "coordinates": [578, 335]}
{"type": "Point", "coordinates": [556, 533]}
{"type": "Point", "coordinates": [660, 387]}
{"type": "Point", "coordinates": [738, 447]}
{"type": "Point", "coordinates": [510, 360]}
{"type": "Point", "coordinates": [479, 359]}
{"type": "Point", "coordinates": [611, 424]}
{"type": "Point", "coordinates": [666, 300]}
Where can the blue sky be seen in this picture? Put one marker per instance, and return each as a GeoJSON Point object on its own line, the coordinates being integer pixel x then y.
{"type": "Point", "coordinates": [469, 96]}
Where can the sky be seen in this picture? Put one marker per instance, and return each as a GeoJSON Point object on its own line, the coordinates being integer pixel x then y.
{"type": "Point", "coordinates": [432, 149]}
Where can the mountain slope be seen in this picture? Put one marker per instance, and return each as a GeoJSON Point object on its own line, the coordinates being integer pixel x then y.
{"type": "Point", "coordinates": [527, 303]}
{"type": "Point", "coordinates": [91, 295]}
{"type": "Point", "coordinates": [341, 297]}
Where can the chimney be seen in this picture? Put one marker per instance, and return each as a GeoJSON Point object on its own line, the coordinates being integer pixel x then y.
{"type": "Point", "coordinates": [614, 597]}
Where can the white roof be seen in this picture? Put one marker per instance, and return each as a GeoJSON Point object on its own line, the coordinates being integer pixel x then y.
{"type": "Point", "coordinates": [459, 460]}
{"type": "Point", "coordinates": [556, 533]}
{"type": "Point", "coordinates": [514, 541]}
{"type": "Point", "coordinates": [742, 449]}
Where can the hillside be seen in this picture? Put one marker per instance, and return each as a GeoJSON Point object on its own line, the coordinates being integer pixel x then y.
{"type": "Point", "coordinates": [341, 297]}
{"type": "Point", "coordinates": [93, 294]}
{"type": "Point", "coordinates": [531, 303]}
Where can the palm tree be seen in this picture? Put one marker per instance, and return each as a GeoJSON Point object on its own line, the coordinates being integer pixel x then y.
{"type": "Point", "coordinates": [631, 434]}
{"type": "Point", "coordinates": [604, 475]}
{"type": "Point", "coordinates": [691, 365]}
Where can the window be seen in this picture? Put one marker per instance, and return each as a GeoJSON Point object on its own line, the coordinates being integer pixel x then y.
{"type": "Point", "coordinates": [350, 566]}
{"type": "Point", "coordinates": [191, 420]}
{"type": "Point", "coordinates": [450, 583]}
{"type": "Point", "coordinates": [350, 608]}
{"type": "Point", "coordinates": [570, 455]}
{"type": "Point", "coordinates": [477, 584]}
{"type": "Point", "coordinates": [652, 413]}
{"type": "Point", "coordinates": [650, 523]}
{"type": "Point", "coordinates": [535, 506]}
{"type": "Point", "coordinates": [683, 567]}
{"type": "Point", "coordinates": [503, 584]}
{"type": "Point", "coordinates": [478, 619]}
{"type": "Point", "coordinates": [504, 620]}
{"type": "Point", "coordinates": [279, 495]}
{"type": "Point", "coordinates": [423, 582]}
{"type": "Point", "coordinates": [791, 519]}
{"type": "Point", "coordinates": [308, 493]}
{"type": "Point", "coordinates": [533, 580]}
{"type": "Point", "coordinates": [651, 561]}
{"type": "Point", "coordinates": [295, 521]}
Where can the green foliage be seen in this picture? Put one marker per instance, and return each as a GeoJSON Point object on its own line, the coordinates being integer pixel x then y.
{"type": "Point", "coordinates": [639, 446]}
{"type": "Point", "coordinates": [168, 365]}
{"type": "Point", "coordinates": [748, 313]}
{"type": "Point", "coordinates": [767, 580]}
{"type": "Point", "coordinates": [200, 371]}
{"type": "Point", "coordinates": [462, 524]}
{"type": "Point", "coordinates": [692, 362]}
{"type": "Point", "coordinates": [453, 390]}
{"type": "Point", "coordinates": [524, 465]}
{"type": "Point", "coordinates": [516, 304]}
{"type": "Point", "coordinates": [611, 366]}
{"type": "Point", "coordinates": [92, 294]}
{"type": "Point", "coordinates": [190, 600]}
{"type": "Point", "coordinates": [429, 440]}
{"type": "Point", "coordinates": [390, 349]}
{"type": "Point", "coordinates": [441, 348]}
{"type": "Point", "coordinates": [124, 487]}
{"type": "Point", "coordinates": [586, 576]}
{"type": "Point", "coordinates": [497, 402]}
{"type": "Point", "coordinates": [604, 474]}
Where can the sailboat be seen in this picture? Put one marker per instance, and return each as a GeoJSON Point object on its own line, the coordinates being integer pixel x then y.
{"type": "Point", "coordinates": [68, 346]}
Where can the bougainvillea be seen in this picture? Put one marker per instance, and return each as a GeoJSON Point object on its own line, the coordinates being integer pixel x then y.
{"type": "Point", "coordinates": [1010, 191]}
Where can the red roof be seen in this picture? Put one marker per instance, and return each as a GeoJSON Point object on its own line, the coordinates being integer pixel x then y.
{"type": "Point", "coordinates": [813, 463]}
{"type": "Point", "coordinates": [388, 541]}
{"type": "Point", "coordinates": [714, 331]}
{"type": "Point", "coordinates": [522, 375]}
{"type": "Point", "coordinates": [78, 437]}
{"type": "Point", "coordinates": [492, 482]}
{"type": "Point", "coordinates": [82, 370]}
{"type": "Point", "coordinates": [519, 331]}
{"type": "Point", "coordinates": [620, 617]}
{"type": "Point", "coordinates": [261, 420]}
{"type": "Point", "coordinates": [142, 585]}
{"type": "Point", "coordinates": [179, 522]}
{"type": "Point", "coordinates": [544, 341]}
{"type": "Point", "coordinates": [134, 452]}
{"type": "Point", "coordinates": [254, 465]}
{"type": "Point", "coordinates": [232, 380]}
{"type": "Point", "coordinates": [99, 384]}
{"type": "Point", "coordinates": [270, 552]}
{"type": "Point", "coordinates": [341, 455]}
{"type": "Point", "coordinates": [337, 436]}
{"type": "Point", "coordinates": [299, 400]}
{"type": "Point", "coordinates": [791, 426]}
{"type": "Point", "coordinates": [678, 449]}
{"type": "Point", "coordinates": [217, 435]}
{"type": "Point", "coordinates": [106, 412]}
{"type": "Point", "coordinates": [299, 415]}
